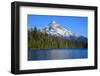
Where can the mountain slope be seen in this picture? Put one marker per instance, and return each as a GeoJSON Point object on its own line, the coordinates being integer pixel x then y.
{"type": "Point", "coordinates": [55, 29]}
{"type": "Point", "coordinates": [55, 36]}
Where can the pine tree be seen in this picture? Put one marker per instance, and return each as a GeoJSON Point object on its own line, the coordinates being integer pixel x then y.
{"type": "Point", "coordinates": [39, 40]}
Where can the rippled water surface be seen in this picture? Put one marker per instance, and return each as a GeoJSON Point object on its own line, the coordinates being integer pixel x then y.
{"type": "Point", "coordinates": [53, 54]}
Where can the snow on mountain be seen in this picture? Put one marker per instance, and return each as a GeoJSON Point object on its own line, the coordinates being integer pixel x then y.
{"type": "Point", "coordinates": [55, 29]}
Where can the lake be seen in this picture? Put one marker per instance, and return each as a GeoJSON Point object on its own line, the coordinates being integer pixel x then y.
{"type": "Point", "coordinates": [54, 54]}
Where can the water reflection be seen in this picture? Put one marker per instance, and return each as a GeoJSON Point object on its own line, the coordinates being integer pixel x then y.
{"type": "Point", "coordinates": [52, 54]}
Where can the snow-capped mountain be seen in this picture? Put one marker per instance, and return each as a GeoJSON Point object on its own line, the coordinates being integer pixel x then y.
{"type": "Point", "coordinates": [56, 29]}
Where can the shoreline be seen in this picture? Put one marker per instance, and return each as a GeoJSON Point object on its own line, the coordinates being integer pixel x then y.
{"type": "Point", "coordinates": [54, 48]}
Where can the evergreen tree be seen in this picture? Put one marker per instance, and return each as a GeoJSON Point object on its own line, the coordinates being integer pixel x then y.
{"type": "Point", "coordinates": [39, 40]}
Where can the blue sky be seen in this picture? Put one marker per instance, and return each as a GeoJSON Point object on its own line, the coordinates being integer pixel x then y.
{"type": "Point", "coordinates": [76, 24]}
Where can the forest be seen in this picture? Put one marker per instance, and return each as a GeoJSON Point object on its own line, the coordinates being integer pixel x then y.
{"type": "Point", "coordinates": [39, 40]}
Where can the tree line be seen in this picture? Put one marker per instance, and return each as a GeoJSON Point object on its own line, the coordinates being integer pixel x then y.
{"type": "Point", "coordinates": [39, 40]}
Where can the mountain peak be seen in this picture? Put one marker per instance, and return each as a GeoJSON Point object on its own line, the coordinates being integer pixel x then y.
{"type": "Point", "coordinates": [56, 29]}
{"type": "Point", "coordinates": [53, 22]}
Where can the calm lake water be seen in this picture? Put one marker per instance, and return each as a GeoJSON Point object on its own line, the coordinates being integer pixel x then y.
{"type": "Point", "coordinates": [54, 54]}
